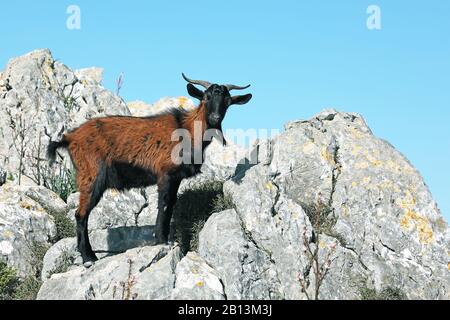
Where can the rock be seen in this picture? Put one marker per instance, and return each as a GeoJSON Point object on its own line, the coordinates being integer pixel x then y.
{"type": "Point", "coordinates": [90, 76]}
{"type": "Point", "coordinates": [135, 207]}
{"type": "Point", "coordinates": [24, 224]}
{"type": "Point", "coordinates": [383, 230]}
{"type": "Point", "coordinates": [245, 269]}
{"type": "Point", "coordinates": [142, 109]}
{"type": "Point", "coordinates": [141, 273]}
{"type": "Point", "coordinates": [196, 280]}
{"type": "Point", "coordinates": [59, 257]}
{"type": "Point", "coordinates": [40, 98]}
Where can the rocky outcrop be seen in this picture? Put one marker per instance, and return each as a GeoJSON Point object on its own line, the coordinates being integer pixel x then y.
{"type": "Point", "coordinates": [26, 222]}
{"type": "Point", "coordinates": [40, 98]}
{"type": "Point", "coordinates": [329, 211]}
{"type": "Point", "coordinates": [329, 194]}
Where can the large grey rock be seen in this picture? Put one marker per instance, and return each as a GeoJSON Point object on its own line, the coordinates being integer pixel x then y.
{"type": "Point", "coordinates": [246, 269]}
{"type": "Point", "coordinates": [196, 280]}
{"type": "Point", "coordinates": [25, 222]}
{"type": "Point", "coordinates": [140, 273]}
{"type": "Point", "coordinates": [60, 257]}
{"type": "Point", "coordinates": [135, 207]}
{"type": "Point", "coordinates": [387, 230]}
{"type": "Point", "coordinates": [41, 98]}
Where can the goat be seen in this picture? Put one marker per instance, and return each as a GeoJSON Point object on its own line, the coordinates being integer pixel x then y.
{"type": "Point", "coordinates": [125, 152]}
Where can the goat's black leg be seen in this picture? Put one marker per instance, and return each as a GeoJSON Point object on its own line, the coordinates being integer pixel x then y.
{"type": "Point", "coordinates": [83, 244]}
{"type": "Point", "coordinates": [167, 197]}
{"type": "Point", "coordinates": [89, 198]}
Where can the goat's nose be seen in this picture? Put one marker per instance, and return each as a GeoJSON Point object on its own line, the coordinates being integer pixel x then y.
{"type": "Point", "coordinates": [215, 117]}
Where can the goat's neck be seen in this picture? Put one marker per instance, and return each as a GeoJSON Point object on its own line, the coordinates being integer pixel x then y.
{"type": "Point", "coordinates": [195, 123]}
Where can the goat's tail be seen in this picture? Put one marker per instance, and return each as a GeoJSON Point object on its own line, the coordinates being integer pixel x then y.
{"type": "Point", "coordinates": [53, 146]}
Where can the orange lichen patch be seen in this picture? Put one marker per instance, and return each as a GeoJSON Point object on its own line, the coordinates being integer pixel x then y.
{"type": "Point", "coordinates": [327, 155]}
{"type": "Point", "coordinates": [413, 219]}
{"type": "Point", "coordinates": [25, 205]}
{"type": "Point", "coordinates": [408, 202]}
{"type": "Point", "coordinates": [448, 266]}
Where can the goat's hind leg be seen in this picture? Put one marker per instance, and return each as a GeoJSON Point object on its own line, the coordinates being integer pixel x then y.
{"type": "Point", "coordinates": [89, 198]}
{"type": "Point", "coordinates": [167, 197]}
{"type": "Point", "coordinates": [83, 243]}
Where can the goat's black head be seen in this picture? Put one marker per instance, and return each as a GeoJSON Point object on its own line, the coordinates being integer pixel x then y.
{"type": "Point", "coordinates": [216, 98]}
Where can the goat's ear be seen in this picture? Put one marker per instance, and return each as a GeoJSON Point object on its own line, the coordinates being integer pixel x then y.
{"type": "Point", "coordinates": [241, 99]}
{"type": "Point", "coordinates": [195, 92]}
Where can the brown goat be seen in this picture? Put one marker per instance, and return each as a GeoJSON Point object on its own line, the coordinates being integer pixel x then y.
{"type": "Point", "coordinates": [124, 152]}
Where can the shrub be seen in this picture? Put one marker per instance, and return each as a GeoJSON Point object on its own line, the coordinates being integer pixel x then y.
{"type": "Point", "coordinates": [388, 293]}
{"type": "Point", "coordinates": [192, 210]}
{"type": "Point", "coordinates": [65, 228]}
{"type": "Point", "coordinates": [27, 289]}
{"type": "Point", "coordinates": [63, 183]}
{"type": "Point", "coordinates": [8, 282]}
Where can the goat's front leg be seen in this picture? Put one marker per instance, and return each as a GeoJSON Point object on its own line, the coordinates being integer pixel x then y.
{"type": "Point", "coordinates": [167, 196]}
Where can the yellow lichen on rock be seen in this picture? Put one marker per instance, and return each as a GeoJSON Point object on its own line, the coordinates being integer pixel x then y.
{"type": "Point", "coordinates": [269, 185]}
{"type": "Point", "coordinates": [7, 234]}
{"type": "Point", "coordinates": [357, 133]}
{"type": "Point", "coordinates": [200, 284]}
{"type": "Point", "coordinates": [327, 155]}
{"type": "Point", "coordinates": [413, 219]}
{"type": "Point", "coordinates": [25, 205]}
{"type": "Point", "coordinates": [356, 150]}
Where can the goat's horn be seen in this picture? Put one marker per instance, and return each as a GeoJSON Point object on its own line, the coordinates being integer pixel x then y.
{"type": "Point", "coordinates": [202, 83]}
{"type": "Point", "coordinates": [233, 87]}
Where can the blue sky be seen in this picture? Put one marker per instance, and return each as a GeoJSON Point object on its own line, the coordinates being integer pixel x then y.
{"type": "Point", "coordinates": [299, 56]}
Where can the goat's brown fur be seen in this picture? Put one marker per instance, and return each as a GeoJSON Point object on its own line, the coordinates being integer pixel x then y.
{"type": "Point", "coordinates": [142, 142]}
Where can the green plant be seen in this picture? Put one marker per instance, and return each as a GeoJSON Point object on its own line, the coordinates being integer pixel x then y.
{"type": "Point", "coordinates": [192, 210]}
{"type": "Point", "coordinates": [27, 289]}
{"type": "Point", "coordinates": [69, 103]}
{"type": "Point", "coordinates": [63, 183]}
{"type": "Point", "coordinates": [8, 282]}
{"type": "Point", "coordinates": [223, 202]}
{"type": "Point", "coordinates": [388, 293]}
{"type": "Point", "coordinates": [29, 286]}
{"type": "Point", "coordinates": [65, 228]}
